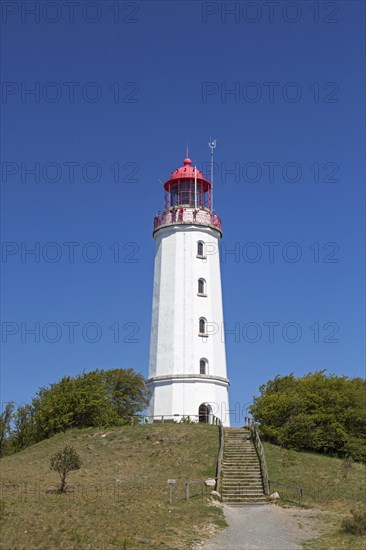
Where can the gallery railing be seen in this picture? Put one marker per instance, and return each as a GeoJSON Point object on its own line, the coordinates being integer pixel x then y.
{"type": "Point", "coordinates": [184, 215]}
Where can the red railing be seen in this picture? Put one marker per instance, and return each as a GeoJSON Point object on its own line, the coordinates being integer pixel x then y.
{"type": "Point", "coordinates": [187, 216]}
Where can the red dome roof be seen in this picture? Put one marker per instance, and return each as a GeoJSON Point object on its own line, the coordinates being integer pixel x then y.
{"type": "Point", "coordinates": [187, 171]}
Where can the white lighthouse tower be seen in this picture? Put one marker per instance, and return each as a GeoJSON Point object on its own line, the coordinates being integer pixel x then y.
{"type": "Point", "coordinates": [187, 369]}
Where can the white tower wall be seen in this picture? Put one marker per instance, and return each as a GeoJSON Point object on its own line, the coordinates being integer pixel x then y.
{"type": "Point", "coordinates": [176, 348]}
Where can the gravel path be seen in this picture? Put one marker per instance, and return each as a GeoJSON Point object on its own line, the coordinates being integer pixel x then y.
{"type": "Point", "coordinates": [266, 527]}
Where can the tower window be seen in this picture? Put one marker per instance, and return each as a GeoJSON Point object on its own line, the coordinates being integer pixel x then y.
{"type": "Point", "coordinates": [202, 287]}
{"type": "Point", "coordinates": [203, 366]}
{"type": "Point", "coordinates": [200, 250]}
{"type": "Point", "coordinates": [202, 327]}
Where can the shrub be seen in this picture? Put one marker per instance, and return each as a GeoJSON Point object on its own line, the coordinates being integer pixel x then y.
{"type": "Point", "coordinates": [316, 412]}
{"type": "Point", "coordinates": [356, 523]}
{"type": "Point", "coordinates": [97, 398]}
{"type": "Point", "coordinates": [63, 462]}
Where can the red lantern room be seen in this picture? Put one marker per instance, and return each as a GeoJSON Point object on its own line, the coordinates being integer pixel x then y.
{"type": "Point", "coordinates": [187, 199]}
{"type": "Point", "coordinates": [187, 186]}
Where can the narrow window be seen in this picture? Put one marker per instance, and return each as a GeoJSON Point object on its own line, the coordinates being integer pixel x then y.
{"type": "Point", "coordinates": [202, 326]}
{"type": "Point", "coordinates": [200, 249]}
{"type": "Point", "coordinates": [203, 366]}
{"type": "Point", "coordinates": [201, 286]}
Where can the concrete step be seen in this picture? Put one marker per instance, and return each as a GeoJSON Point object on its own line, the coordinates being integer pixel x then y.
{"type": "Point", "coordinates": [241, 456]}
{"type": "Point", "coordinates": [240, 490]}
{"type": "Point", "coordinates": [246, 502]}
{"type": "Point", "coordinates": [240, 466]}
{"type": "Point", "coordinates": [240, 450]}
{"type": "Point", "coordinates": [233, 460]}
{"type": "Point", "coordinates": [242, 475]}
{"type": "Point", "coordinates": [247, 448]}
{"type": "Point", "coordinates": [243, 498]}
{"type": "Point", "coordinates": [242, 471]}
{"type": "Point", "coordinates": [240, 441]}
{"type": "Point", "coordinates": [239, 462]}
{"type": "Point", "coordinates": [236, 495]}
{"type": "Point", "coordinates": [244, 446]}
{"type": "Point", "coordinates": [242, 478]}
{"type": "Point", "coordinates": [233, 492]}
{"type": "Point", "coordinates": [243, 486]}
{"type": "Point", "coordinates": [229, 462]}
{"type": "Point", "coordinates": [242, 483]}
{"type": "Point", "coordinates": [235, 489]}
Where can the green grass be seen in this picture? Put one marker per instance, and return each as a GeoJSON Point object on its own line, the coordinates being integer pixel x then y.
{"type": "Point", "coordinates": [119, 498]}
{"type": "Point", "coordinates": [327, 483]}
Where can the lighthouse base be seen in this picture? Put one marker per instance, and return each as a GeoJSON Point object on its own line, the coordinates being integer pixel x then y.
{"type": "Point", "coordinates": [201, 398]}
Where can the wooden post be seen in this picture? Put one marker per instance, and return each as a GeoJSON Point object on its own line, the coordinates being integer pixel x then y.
{"type": "Point", "coordinates": [171, 483]}
{"type": "Point", "coordinates": [187, 490]}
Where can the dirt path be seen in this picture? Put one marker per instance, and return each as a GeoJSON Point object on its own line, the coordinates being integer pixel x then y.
{"type": "Point", "coordinates": [267, 527]}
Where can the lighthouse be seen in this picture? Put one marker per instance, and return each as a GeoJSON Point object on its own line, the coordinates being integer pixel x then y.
{"type": "Point", "coordinates": [187, 366]}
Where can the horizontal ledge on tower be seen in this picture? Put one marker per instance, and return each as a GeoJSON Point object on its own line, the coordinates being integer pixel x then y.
{"type": "Point", "coordinates": [188, 377]}
{"type": "Point", "coordinates": [186, 225]}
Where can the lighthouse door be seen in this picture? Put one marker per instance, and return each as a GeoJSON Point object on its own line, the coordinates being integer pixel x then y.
{"type": "Point", "coordinates": [204, 413]}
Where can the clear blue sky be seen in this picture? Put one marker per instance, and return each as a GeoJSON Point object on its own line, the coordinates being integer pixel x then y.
{"type": "Point", "coordinates": [161, 78]}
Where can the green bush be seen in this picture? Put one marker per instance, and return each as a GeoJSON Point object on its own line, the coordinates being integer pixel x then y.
{"type": "Point", "coordinates": [96, 398]}
{"type": "Point", "coordinates": [317, 413]}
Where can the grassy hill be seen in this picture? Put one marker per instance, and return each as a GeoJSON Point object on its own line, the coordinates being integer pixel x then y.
{"type": "Point", "coordinates": [119, 498]}
{"type": "Point", "coordinates": [327, 483]}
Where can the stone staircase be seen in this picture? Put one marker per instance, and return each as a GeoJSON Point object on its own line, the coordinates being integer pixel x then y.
{"type": "Point", "coordinates": [241, 481]}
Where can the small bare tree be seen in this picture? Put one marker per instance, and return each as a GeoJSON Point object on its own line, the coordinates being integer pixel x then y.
{"type": "Point", "coordinates": [63, 462]}
{"type": "Point", "coordinates": [5, 421]}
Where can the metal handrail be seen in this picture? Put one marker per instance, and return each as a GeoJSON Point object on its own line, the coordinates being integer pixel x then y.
{"type": "Point", "coordinates": [221, 453]}
{"type": "Point", "coordinates": [178, 418]}
{"type": "Point", "coordinates": [261, 455]}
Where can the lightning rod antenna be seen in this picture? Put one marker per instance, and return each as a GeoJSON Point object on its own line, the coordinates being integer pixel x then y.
{"type": "Point", "coordinates": [212, 146]}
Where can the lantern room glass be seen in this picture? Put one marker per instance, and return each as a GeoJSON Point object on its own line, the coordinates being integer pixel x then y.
{"type": "Point", "coordinates": [182, 193]}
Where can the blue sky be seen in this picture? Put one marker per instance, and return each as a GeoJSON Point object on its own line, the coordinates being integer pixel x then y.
{"type": "Point", "coordinates": [116, 102]}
